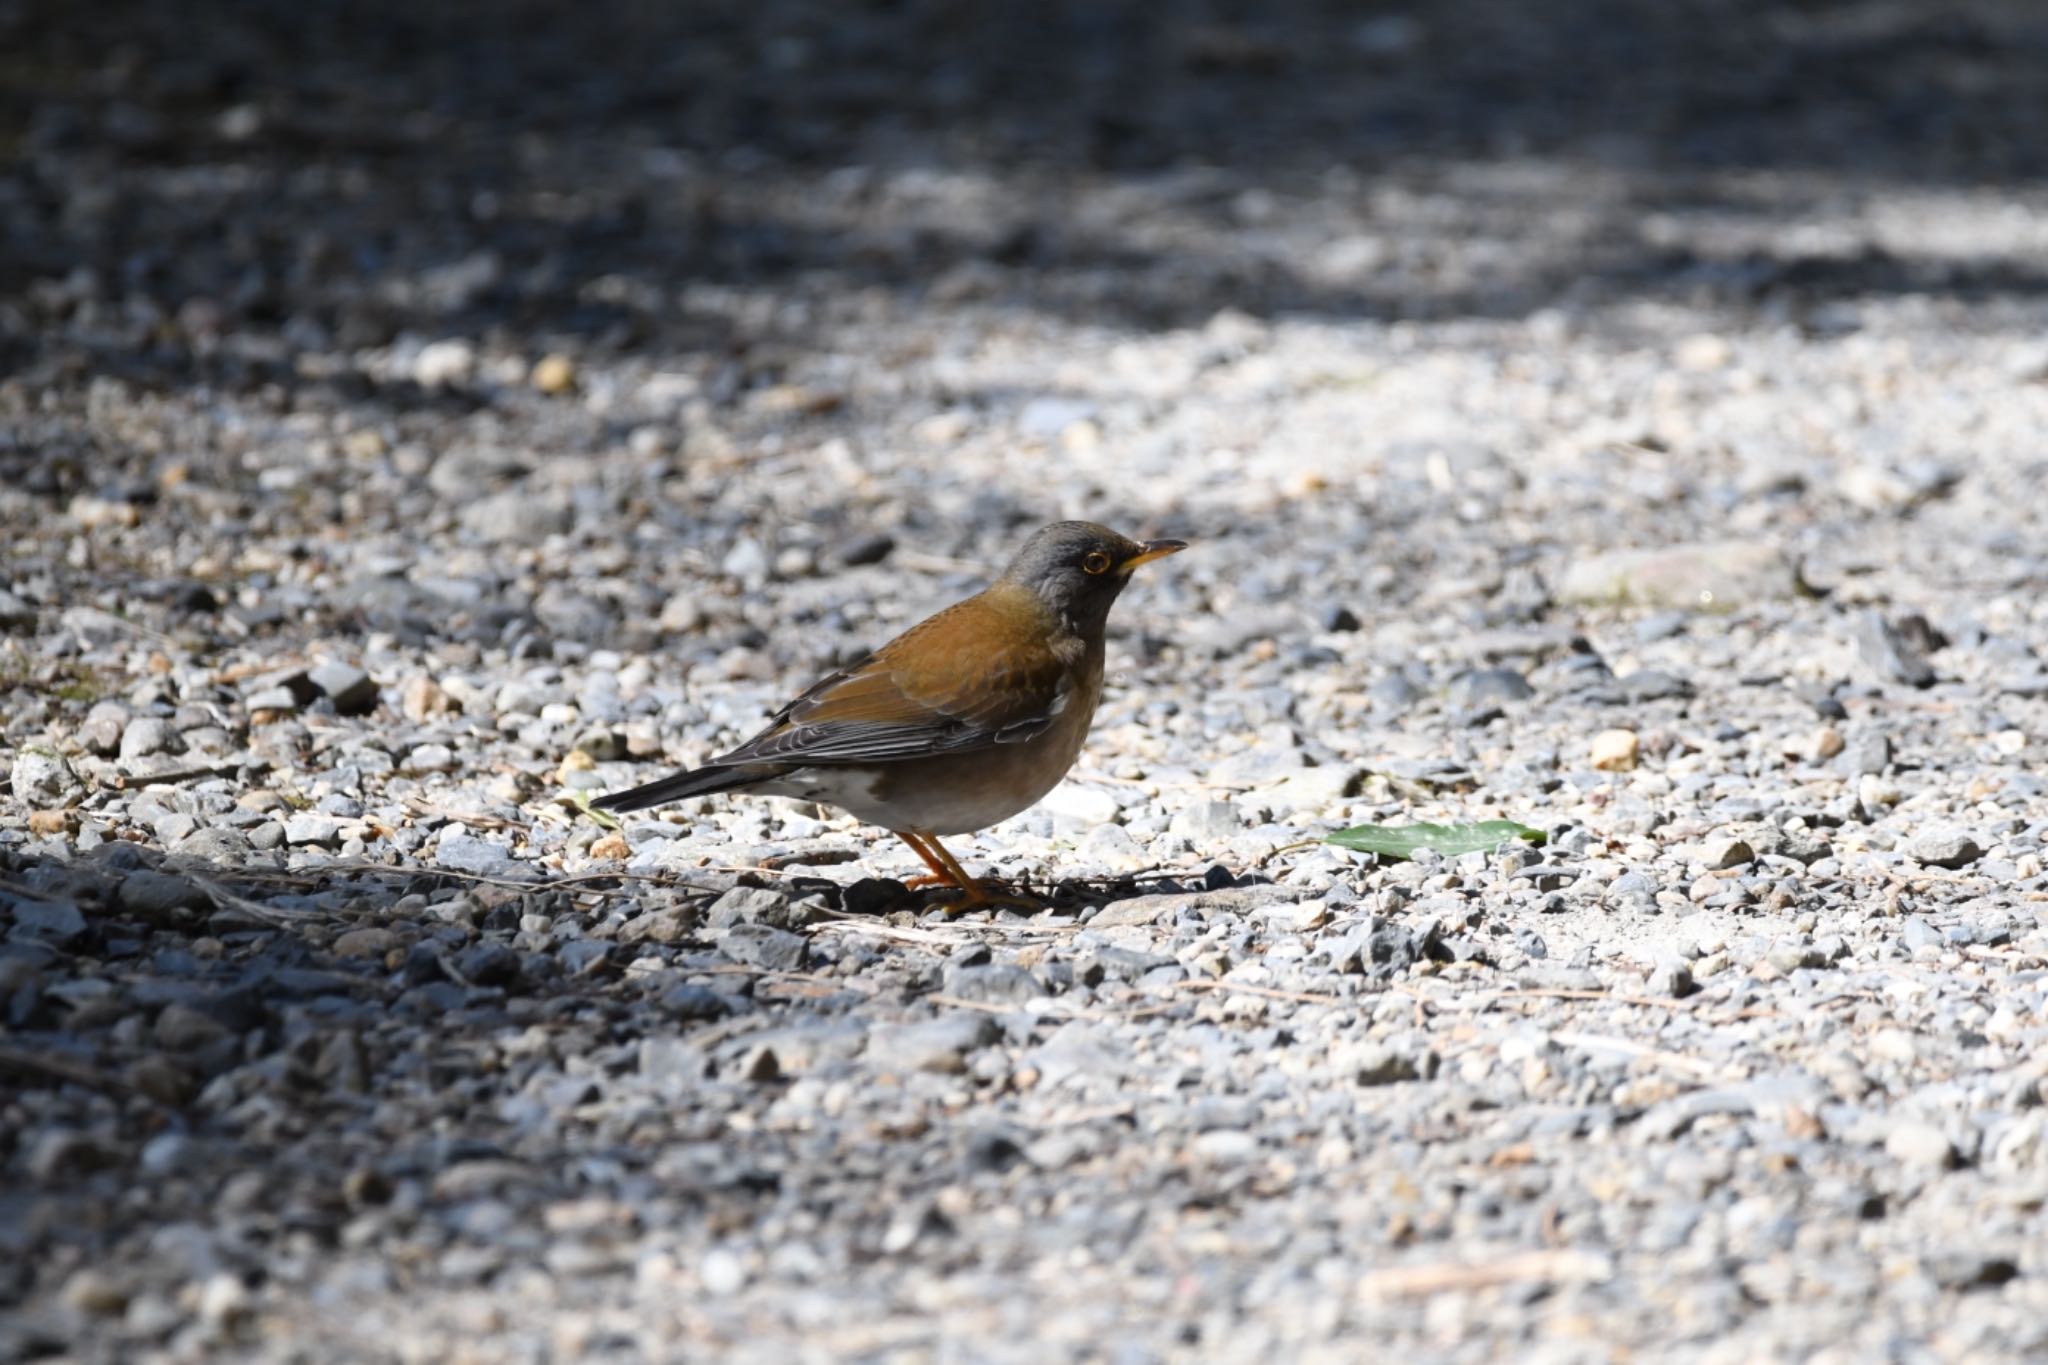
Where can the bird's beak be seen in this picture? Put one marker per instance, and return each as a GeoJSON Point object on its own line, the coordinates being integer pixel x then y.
{"type": "Point", "coordinates": [1151, 550]}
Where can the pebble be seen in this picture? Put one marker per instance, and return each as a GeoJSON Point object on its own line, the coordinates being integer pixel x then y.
{"type": "Point", "coordinates": [1945, 849]}
{"type": "Point", "coordinates": [940, 1045]}
{"type": "Point", "coordinates": [1615, 750]}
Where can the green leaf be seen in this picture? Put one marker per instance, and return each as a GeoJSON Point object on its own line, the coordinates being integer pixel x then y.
{"type": "Point", "coordinates": [581, 801]}
{"type": "Point", "coordinates": [1401, 842]}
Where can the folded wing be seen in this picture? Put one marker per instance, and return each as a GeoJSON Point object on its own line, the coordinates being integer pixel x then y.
{"type": "Point", "coordinates": [941, 687]}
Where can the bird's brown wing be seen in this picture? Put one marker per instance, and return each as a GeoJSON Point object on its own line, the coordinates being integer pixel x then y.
{"type": "Point", "coordinates": [978, 674]}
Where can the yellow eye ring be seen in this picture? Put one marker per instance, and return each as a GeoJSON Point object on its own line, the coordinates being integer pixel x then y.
{"type": "Point", "coordinates": [1096, 562]}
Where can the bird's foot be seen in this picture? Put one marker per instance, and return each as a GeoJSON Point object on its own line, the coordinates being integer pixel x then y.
{"type": "Point", "coordinates": [987, 895]}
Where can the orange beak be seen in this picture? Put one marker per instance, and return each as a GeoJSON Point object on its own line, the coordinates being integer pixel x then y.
{"type": "Point", "coordinates": [1151, 550]}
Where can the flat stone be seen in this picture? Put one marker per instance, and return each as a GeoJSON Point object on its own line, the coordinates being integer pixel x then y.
{"type": "Point", "coordinates": [941, 1045]}
{"type": "Point", "coordinates": [1706, 576]}
{"type": "Point", "coordinates": [158, 896]}
{"type": "Point", "coordinates": [770, 949]}
{"type": "Point", "coordinates": [1945, 849]}
{"type": "Point", "coordinates": [468, 853]}
{"type": "Point", "coordinates": [749, 905]}
{"type": "Point", "coordinates": [58, 922]}
{"type": "Point", "coordinates": [309, 828]}
{"type": "Point", "coordinates": [368, 941]}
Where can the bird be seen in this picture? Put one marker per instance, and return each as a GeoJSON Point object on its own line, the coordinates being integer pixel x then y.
{"type": "Point", "coordinates": [963, 720]}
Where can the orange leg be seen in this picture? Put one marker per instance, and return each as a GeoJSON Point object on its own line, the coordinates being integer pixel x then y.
{"type": "Point", "coordinates": [974, 894]}
{"type": "Point", "coordinates": [940, 876]}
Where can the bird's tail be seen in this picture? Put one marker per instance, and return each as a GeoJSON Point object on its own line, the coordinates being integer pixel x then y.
{"type": "Point", "coordinates": [696, 782]}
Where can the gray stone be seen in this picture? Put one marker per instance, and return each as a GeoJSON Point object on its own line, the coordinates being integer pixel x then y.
{"type": "Point", "coordinates": [59, 922]}
{"type": "Point", "coordinates": [181, 1028]}
{"type": "Point", "coordinates": [1947, 849]}
{"type": "Point", "coordinates": [309, 828]}
{"type": "Point", "coordinates": [1717, 576]}
{"type": "Point", "coordinates": [146, 735]}
{"type": "Point", "coordinates": [1670, 979]}
{"type": "Point", "coordinates": [468, 853]}
{"type": "Point", "coordinates": [998, 984]}
{"type": "Point", "coordinates": [1489, 687]}
{"type": "Point", "coordinates": [770, 949]}
{"type": "Point", "coordinates": [942, 1045]}
{"type": "Point", "coordinates": [517, 516]}
{"type": "Point", "coordinates": [1206, 820]}
{"type": "Point", "coordinates": [41, 780]}
{"type": "Point", "coordinates": [352, 691]}
{"type": "Point", "coordinates": [749, 905]}
{"type": "Point", "coordinates": [159, 896]}
{"type": "Point", "coordinates": [1890, 653]}
{"type": "Point", "coordinates": [1867, 755]}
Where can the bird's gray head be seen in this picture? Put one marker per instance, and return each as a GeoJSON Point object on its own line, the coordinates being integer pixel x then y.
{"type": "Point", "coordinates": [1077, 568]}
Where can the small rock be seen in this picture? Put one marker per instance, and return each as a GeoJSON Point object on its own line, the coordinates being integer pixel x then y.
{"type": "Point", "coordinates": [995, 984]}
{"type": "Point", "coordinates": [351, 690]}
{"type": "Point", "coordinates": [749, 905]}
{"type": "Point", "coordinates": [1615, 751]}
{"type": "Point", "coordinates": [1726, 852]}
{"type": "Point", "coordinates": [1826, 743]}
{"type": "Point", "coordinates": [481, 857]}
{"type": "Point", "coordinates": [158, 896]}
{"type": "Point", "coordinates": [43, 779]}
{"type": "Point", "coordinates": [613, 847]}
{"type": "Point", "coordinates": [1377, 1064]}
{"type": "Point", "coordinates": [309, 828]}
{"type": "Point", "coordinates": [1945, 849]}
{"type": "Point", "coordinates": [145, 735]}
{"type": "Point", "coordinates": [1206, 820]}
{"type": "Point", "coordinates": [871, 549]}
{"type": "Point", "coordinates": [93, 1291]}
{"type": "Point", "coordinates": [58, 922]}
{"type": "Point", "coordinates": [770, 949]}
{"type": "Point", "coordinates": [1791, 957]}
{"type": "Point", "coordinates": [51, 824]}
{"type": "Point", "coordinates": [941, 1045]}
{"type": "Point", "coordinates": [517, 517]}
{"type": "Point", "coordinates": [1969, 1269]}
{"type": "Point", "coordinates": [180, 1028]}
{"type": "Point", "coordinates": [1671, 980]}
{"type": "Point", "coordinates": [488, 964]}
{"type": "Point", "coordinates": [368, 941]}
{"type": "Point", "coordinates": [441, 364]}
{"type": "Point", "coordinates": [1082, 805]}
{"type": "Point", "coordinates": [1484, 687]}
{"type": "Point", "coordinates": [553, 374]}
{"type": "Point", "coordinates": [429, 758]}
{"type": "Point", "coordinates": [1709, 576]}
{"type": "Point", "coordinates": [691, 1002]}
{"type": "Point", "coordinates": [1867, 755]}
{"type": "Point", "coordinates": [659, 926]}
{"type": "Point", "coordinates": [1889, 651]}
{"type": "Point", "coordinates": [1340, 619]}
{"type": "Point", "coordinates": [1918, 1143]}
{"type": "Point", "coordinates": [420, 697]}
{"type": "Point", "coordinates": [873, 896]}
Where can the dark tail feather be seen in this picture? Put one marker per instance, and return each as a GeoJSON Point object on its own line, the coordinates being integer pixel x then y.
{"type": "Point", "coordinates": [696, 782]}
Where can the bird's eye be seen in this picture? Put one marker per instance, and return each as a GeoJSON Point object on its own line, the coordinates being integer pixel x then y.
{"type": "Point", "coordinates": [1096, 562]}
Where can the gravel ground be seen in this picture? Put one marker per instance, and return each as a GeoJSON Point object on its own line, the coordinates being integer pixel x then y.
{"type": "Point", "coordinates": [417, 418]}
